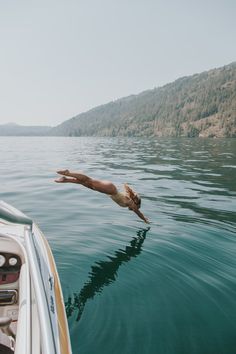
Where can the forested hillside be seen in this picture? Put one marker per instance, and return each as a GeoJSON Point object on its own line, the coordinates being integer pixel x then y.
{"type": "Point", "coordinates": [201, 105]}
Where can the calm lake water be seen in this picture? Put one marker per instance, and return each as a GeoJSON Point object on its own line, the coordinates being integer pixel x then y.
{"type": "Point", "coordinates": [130, 288]}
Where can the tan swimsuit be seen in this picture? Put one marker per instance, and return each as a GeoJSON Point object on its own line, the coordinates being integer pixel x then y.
{"type": "Point", "coordinates": [120, 198]}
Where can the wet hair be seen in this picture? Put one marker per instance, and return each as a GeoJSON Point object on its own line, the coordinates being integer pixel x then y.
{"type": "Point", "coordinates": [138, 201]}
{"type": "Point", "coordinates": [133, 195]}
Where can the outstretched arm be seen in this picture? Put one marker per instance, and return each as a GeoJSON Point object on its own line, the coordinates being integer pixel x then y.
{"type": "Point", "coordinates": [132, 206]}
{"type": "Point", "coordinates": [138, 212]}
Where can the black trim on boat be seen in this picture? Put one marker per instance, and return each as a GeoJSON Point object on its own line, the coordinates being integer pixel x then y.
{"type": "Point", "coordinates": [5, 350]}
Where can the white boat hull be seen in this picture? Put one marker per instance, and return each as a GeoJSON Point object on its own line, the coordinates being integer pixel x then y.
{"type": "Point", "coordinates": [38, 319]}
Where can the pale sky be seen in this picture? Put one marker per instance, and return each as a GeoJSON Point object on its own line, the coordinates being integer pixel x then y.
{"type": "Point", "coordinates": [63, 57]}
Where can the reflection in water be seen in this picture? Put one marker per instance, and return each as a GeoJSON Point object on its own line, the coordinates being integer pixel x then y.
{"type": "Point", "coordinates": [104, 273]}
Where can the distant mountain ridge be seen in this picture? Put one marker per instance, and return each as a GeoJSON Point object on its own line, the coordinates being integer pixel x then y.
{"type": "Point", "coordinates": [201, 105]}
{"type": "Point", "coordinates": [12, 129]}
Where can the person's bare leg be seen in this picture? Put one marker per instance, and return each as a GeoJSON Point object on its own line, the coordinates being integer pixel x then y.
{"type": "Point", "coordinates": [105, 187]}
{"type": "Point", "coordinates": [80, 176]}
{"type": "Point", "coordinates": [66, 180]}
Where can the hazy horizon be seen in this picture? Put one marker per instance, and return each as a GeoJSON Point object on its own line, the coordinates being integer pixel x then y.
{"type": "Point", "coordinates": [64, 58]}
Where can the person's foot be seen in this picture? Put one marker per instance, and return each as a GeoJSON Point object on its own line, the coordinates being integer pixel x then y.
{"type": "Point", "coordinates": [63, 172]}
{"type": "Point", "coordinates": [61, 180]}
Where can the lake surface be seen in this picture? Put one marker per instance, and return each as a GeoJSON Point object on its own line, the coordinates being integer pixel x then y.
{"type": "Point", "coordinates": [131, 288]}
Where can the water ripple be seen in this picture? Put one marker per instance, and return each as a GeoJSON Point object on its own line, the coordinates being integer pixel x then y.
{"type": "Point", "coordinates": [167, 289]}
